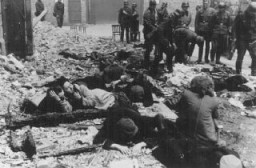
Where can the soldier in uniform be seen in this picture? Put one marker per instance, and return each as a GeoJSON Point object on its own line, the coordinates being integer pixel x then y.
{"type": "Point", "coordinates": [181, 21]}
{"type": "Point", "coordinates": [150, 27]}
{"type": "Point", "coordinates": [250, 24]}
{"type": "Point", "coordinates": [162, 13]}
{"type": "Point", "coordinates": [221, 26]}
{"type": "Point", "coordinates": [158, 35]}
{"type": "Point", "coordinates": [202, 28]}
{"type": "Point", "coordinates": [185, 19]}
{"type": "Point", "coordinates": [124, 21]}
{"type": "Point", "coordinates": [134, 22]}
{"type": "Point", "coordinates": [59, 12]}
{"type": "Point", "coordinates": [183, 37]}
{"type": "Point", "coordinates": [39, 8]}
{"type": "Point", "coordinates": [239, 31]}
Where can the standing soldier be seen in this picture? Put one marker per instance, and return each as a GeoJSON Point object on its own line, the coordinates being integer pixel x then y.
{"type": "Point", "coordinates": [239, 31]}
{"type": "Point", "coordinates": [182, 21]}
{"type": "Point", "coordinates": [59, 12]}
{"type": "Point", "coordinates": [124, 21]}
{"type": "Point", "coordinates": [162, 13]}
{"type": "Point", "coordinates": [221, 25]}
{"type": "Point", "coordinates": [250, 22]}
{"type": "Point", "coordinates": [134, 22]}
{"type": "Point", "coordinates": [202, 28]}
{"type": "Point", "coordinates": [39, 8]}
{"type": "Point", "coordinates": [185, 19]}
{"type": "Point", "coordinates": [150, 27]}
{"type": "Point", "coordinates": [164, 38]}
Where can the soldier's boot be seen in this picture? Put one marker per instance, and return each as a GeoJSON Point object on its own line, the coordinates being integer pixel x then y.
{"type": "Point", "coordinates": [200, 54]}
{"type": "Point", "coordinates": [156, 63]}
{"type": "Point", "coordinates": [169, 57]}
{"type": "Point", "coordinates": [212, 55]}
{"type": "Point", "coordinates": [146, 61]}
{"type": "Point", "coordinates": [238, 67]}
{"type": "Point", "coordinates": [218, 59]}
{"type": "Point", "coordinates": [207, 49]}
{"type": "Point", "coordinates": [122, 36]}
{"type": "Point", "coordinates": [253, 66]}
{"type": "Point", "coordinates": [127, 37]}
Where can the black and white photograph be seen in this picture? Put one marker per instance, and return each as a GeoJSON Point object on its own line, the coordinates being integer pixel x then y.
{"type": "Point", "coordinates": [127, 83]}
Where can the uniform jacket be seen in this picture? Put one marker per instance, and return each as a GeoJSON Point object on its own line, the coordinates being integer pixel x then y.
{"type": "Point", "coordinates": [59, 9]}
{"type": "Point", "coordinates": [39, 7]}
{"type": "Point", "coordinates": [250, 21]}
{"type": "Point", "coordinates": [239, 29]}
{"type": "Point", "coordinates": [221, 23]}
{"type": "Point", "coordinates": [184, 20]}
{"type": "Point", "coordinates": [134, 19]}
{"type": "Point", "coordinates": [149, 20]}
{"type": "Point", "coordinates": [124, 16]}
{"type": "Point", "coordinates": [203, 18]}
{"type": "Point", "coordinates": [162, 14]}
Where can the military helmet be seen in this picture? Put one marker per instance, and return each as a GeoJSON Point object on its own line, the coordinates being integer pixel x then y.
{"type": "Point", "coordinates": [152, 2]}
{"type": "Point", "coordinates": [185, 4]}
{"type": "Point", "coordinates": [134, 4]}
{"type": "Point", "coordinates": [222, 5]}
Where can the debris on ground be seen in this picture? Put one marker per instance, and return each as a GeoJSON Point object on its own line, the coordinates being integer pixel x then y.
{"type": "Point", "coordinates": [67, 141]}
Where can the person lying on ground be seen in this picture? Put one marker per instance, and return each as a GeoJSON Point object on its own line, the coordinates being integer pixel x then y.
{"type": "Point", "coordinates": [55, 101]}
{"type": "Point", "coordinates": [125, 128]}
{"type": "Point", "coordinates": [81, 97]}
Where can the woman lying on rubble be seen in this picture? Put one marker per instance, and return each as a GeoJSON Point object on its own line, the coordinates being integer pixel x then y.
{"type": "Point", "coordinates": [81, 97]}
{"type": "Point", "coordinates": [55, 101]}
{"type": "Point", "coordinates": [198, 122]}
{"type": "Point", "coordinates": [125, 128]}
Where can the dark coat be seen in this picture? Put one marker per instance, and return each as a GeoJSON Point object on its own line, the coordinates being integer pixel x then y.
{"type": "Point", "coordinates": [59, 9]}
{"type": "Point", "coordinates": [39, 8]}
{"type": "Point", "coordinates": [124, 17]}
{"type": "Point", "coordinates": [221, 23]}
{"type": "Point", "coordinates": [250, 20]}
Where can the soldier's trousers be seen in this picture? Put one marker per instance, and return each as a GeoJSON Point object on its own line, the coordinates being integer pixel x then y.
{"type": "Point", "coordinates": [163, 48]}
{"type": "Point", "coordinates": [148, 44]}
{"type": "Point", "coordinates": [218, 46]}
{"type": "Point", "coordinates": [207, 39]}
{"type": "Point", "coordinates": [59, 20]}
{"type": "Point", "coordinates": [134, 30]}
{"type": "Point", "coordinates": [182, 51]}
{"type": "Point", "coordinates": [127, 33]}
{"type": "Point", "coordinates": [252, 51]}
{"type": "Point", "coordinates": [242, 46]}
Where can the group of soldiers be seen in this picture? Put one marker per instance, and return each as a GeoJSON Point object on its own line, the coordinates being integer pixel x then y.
{"type": "Point", "coordinates": [128, 20]}
{"type": "Point", "coordinates": [58, 11]}
{"type": "Point", "coordinates": [170, 33]}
